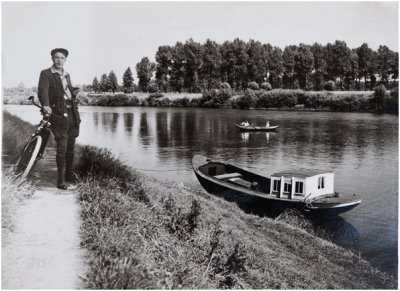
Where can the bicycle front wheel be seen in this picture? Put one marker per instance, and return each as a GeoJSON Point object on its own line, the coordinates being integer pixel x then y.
{"type": "Point", "coordinates": [28, 157]}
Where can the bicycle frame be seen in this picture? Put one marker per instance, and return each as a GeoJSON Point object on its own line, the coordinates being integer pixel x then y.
{"type": "Point", "coordinates": [43, 130]}
{"type": "Point", "coordinates": [34, 148]}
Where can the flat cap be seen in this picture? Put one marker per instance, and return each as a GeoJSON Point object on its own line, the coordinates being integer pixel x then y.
{"type": "Point", "coordinates": [59, 50]}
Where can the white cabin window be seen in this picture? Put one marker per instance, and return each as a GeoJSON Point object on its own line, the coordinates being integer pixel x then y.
{"type": "Point", "coordinates": [321, 182]}
{"type": "Point", "coordinates": [299, 188]}
{"type": "Point", "coordinates": [287, 187]}
{"type": "Point", "coordinates": [276, 187]}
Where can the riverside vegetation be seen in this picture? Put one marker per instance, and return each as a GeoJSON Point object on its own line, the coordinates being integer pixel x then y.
{"type": "Point", "coordinates": [141, 233]}
{"type": "Point", "coordinates": [379, 100]}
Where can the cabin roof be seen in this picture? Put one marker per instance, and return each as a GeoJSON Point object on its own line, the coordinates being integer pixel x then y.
{"type": "Point", "coordinates": [300, 173]}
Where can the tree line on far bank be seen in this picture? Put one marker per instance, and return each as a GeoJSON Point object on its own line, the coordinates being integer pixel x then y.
{"type": "Point", "coordinates": [194, 67]}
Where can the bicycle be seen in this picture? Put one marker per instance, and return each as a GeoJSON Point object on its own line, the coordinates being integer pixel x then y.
{"type": "Point", "coordinates": [34, 148]}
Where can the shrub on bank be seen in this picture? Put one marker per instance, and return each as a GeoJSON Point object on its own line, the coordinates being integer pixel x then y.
{"type": "Point", "coordinates": [156, 95]}
{"type": "Point", "coordinates": [215, 98]}
{"type": "Point", "coordinates": [288, 99]}
{"type": "Point", "coordinates": [225, 85]}
{"type": "Point", "coordinates": [277, 98]}
{"type": "Point", "coordinates": [248, 100]}
{"type": "Point", "coordinates": [329, 86]}
{"type": "Point", "coordinates": [392, 105]}
{"type": "Point", "coordinates": [155, 101]}
{"type": "Point", "coordinates": [266, 86]}
{"type": "Point", "coordinates": [115, 100]}
{"type": "Point", "coordinates": [184, 102]}
{"type": "Point", "coordinates": [384, 101]}
{"type": "Point", "coordinates": [253, 86]}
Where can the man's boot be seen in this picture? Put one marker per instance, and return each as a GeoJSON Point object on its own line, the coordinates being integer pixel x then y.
{"type": "Point", "coordinates": [60, 173]}
{"type": "Point", "coordinates": [69, 174]}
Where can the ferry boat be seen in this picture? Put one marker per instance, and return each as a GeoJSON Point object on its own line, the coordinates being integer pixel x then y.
{"type": "Point", "coordinates": [310, 191]}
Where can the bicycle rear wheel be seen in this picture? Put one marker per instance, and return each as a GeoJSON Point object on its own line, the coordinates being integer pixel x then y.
{"type": "Point", "coordinates": [28, 157]}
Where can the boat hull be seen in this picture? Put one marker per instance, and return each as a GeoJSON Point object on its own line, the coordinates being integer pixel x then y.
{"type": "Point", "coordinates": [246, 200]}
{"type": "Point", "coordinates": [253, 199]}
{"type": "Point", "coordinates": [257, 128]}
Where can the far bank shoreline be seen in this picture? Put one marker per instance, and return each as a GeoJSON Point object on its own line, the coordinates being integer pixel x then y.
{"type": "Point", "coordinates": [380, 101]}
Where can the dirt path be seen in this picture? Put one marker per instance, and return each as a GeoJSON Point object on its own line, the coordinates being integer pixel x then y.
{"type": "Point", "coordinates": [44, 250]}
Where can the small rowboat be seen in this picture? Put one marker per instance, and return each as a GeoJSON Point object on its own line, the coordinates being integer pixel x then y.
{"type": "Point", "coordinates": [310, 191]}
{"type": "Point", "coordinates": [256, 128]}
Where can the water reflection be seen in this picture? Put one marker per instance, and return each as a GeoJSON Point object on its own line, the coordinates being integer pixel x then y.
{"type": "Point", "coordinates": [339, 230]}
{"type": "Point", "coordinates": [128, 121]}
{"type": "Point", "coordinates": [254, 136]}
{"type": "Point", "coordinates": [109, 121]}
{"type": "Point", "coordinates": [144, 131]}
{"type": "Point", "coordinates": [96, 118]}
{"type": "Point", "coordinates": [162, 129]}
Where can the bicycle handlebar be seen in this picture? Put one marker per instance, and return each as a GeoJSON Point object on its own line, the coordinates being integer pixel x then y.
{"type": "Point", "coordinates": [42, 110]}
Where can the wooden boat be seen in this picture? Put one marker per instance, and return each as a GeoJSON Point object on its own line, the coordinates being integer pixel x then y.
{"type": "Point", "coordinates": [310, 191]}
{"type": "Point", "coordinates": [256, 128]}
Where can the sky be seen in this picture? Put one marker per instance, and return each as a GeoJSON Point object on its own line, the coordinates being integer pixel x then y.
{"type": "Point", "coordinates": [105, 36]}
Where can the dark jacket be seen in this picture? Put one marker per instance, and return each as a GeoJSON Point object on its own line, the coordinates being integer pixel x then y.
{"type": "Point", "coordinates": [51, 93]}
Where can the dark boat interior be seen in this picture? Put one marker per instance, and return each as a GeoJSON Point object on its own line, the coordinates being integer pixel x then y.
{"type": "Point", "coordinates": [237, 176]}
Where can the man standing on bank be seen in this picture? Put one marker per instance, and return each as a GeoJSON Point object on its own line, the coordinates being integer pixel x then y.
{"type": "Point", "coordinates": [57, 96]}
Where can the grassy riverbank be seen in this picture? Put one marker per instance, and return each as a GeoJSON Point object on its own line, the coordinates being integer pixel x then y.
{"type": "Point", "coordinates": [15, 133]}
{"type": "Point", "coordinates": [144, 234]}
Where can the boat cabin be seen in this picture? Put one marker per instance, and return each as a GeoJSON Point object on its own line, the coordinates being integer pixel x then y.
{"type": "Point", "coordinates": [289, 184]}
{"type": "Point", "coordinates": [300, 184]}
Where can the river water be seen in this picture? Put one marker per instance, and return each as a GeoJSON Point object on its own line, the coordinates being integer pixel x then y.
{"type": "Point", "coordinates": [361, 149]}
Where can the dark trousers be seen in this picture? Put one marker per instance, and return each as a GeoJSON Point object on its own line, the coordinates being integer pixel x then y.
{"type": "Point", "coordinates": [65, 132]}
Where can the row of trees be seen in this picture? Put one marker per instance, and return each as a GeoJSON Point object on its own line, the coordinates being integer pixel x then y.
{"type": "Point", "coordinates": [144, 70]}
{"type": "Point", "coordinates": [195, 67]}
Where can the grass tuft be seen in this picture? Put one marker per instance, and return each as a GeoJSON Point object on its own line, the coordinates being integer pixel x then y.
{"type": "Point", "coordinates": [182, 224]}
{"type": "Point", "coordinates": [101, 163]}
